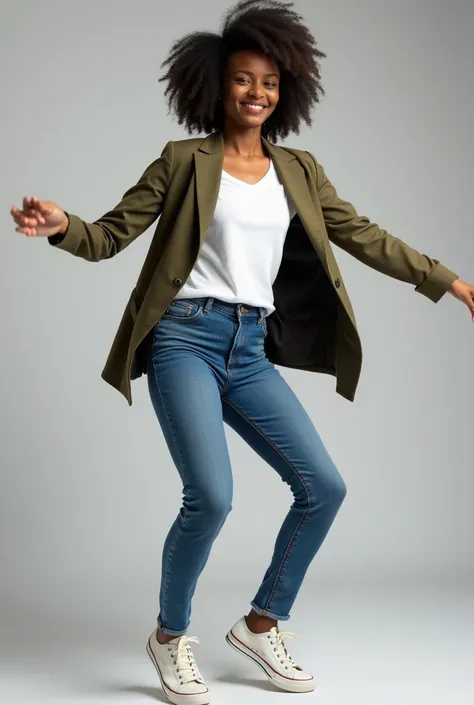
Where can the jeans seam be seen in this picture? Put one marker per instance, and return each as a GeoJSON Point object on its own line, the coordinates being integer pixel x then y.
{"type": "Point", "coordinates": [286, 557]}
{"type": "Point", "coordinates": [305, 515]}
{"type": "Point", "coordinates": [170, 552]}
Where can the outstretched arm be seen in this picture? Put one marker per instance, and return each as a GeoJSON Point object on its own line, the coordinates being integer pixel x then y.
{"type": "Point", "coordinates": [113, 231]}
{"type": "Point", "coordinates": [377, 248]}
{"type": "Point", "coordinates": [139, 207]}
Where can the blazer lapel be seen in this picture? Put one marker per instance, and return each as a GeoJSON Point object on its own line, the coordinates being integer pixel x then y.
{"type": "Point", "coordinates": [208, 161]}
{"type": "Point", "coordinates": [293, 178]}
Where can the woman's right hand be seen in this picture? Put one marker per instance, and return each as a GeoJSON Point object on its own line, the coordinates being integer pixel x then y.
{"type": "Point", "coordinates": [39, 218]}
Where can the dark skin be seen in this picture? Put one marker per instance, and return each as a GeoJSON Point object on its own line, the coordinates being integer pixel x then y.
{"type": "Point", "coordinates": [251, 77]}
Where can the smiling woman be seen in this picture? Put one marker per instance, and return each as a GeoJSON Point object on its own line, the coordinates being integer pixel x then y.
{"type": "Point", "coordinates": [251, 85]}
{"type": "Point", "coordinates": [201, 64]}
{"type": "Point", "coordinates": [240, 277]}
{"type": "Point", "coordinates": [250, 90]}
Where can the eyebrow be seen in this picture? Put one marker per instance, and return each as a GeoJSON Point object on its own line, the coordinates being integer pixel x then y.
{"type": "Point", "coordinates": [250, 73]}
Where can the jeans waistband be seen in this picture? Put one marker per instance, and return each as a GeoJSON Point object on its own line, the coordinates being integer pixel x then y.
{"type": "Point", "coordinates": [236, 309]}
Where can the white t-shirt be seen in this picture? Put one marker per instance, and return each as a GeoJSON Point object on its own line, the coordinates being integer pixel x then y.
{"type": "Point", "coordinates": [240, 257]}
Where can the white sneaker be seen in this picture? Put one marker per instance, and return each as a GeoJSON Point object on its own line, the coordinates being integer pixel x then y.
{"type": "Point", "coordinates": [269, 652]}
{"type": "Point", "coordinates": [177, 669]}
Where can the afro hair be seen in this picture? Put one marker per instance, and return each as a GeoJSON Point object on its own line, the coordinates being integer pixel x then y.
{"type": "Point", "coordinates": [196, 67]}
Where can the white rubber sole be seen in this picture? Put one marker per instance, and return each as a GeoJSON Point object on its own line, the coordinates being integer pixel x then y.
{"type": "Point", "coordinates": [176, 698]}
{"type": "Point", "coordinates": [288, 684]}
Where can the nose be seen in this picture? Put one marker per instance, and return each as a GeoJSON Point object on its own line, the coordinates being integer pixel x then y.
{"type": "Point", "coordinates": [256, 92]}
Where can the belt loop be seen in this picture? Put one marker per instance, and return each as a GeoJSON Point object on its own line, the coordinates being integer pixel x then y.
{"type": "Point", "coordinates": [261, 310]}
{"type": "Point", "coordinates": [209, 303]}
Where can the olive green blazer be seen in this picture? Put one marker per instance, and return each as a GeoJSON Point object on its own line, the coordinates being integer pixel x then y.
{"type": "Point", "coordinates": [313, 326]}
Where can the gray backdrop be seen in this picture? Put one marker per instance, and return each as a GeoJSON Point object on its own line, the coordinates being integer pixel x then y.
{"type": "Point", "coordinates": [88, 487]}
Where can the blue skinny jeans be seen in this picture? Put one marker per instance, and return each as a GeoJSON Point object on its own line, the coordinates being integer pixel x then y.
{"type": "Point", "coordinates": [207, 366]}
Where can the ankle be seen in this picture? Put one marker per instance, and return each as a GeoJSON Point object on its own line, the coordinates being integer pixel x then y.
{"type": "Point", "coordinates": [162, 637]}
{"type": "Point", "coordinates": [258, 624]}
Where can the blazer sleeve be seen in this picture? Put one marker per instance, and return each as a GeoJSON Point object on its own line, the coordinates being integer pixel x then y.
{"type": "Point", "coordinates": [112, 232]}
{"type": "Point", "coordinates": [377, 248]}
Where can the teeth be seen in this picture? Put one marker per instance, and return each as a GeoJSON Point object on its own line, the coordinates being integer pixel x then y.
{"type": "Point", "coordinates": [257, 108]}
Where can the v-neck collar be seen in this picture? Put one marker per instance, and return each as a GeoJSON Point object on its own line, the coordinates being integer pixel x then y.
{"type": "Point", "coordinates": [240, 182]}
{"type": "Point", "coordinates": [208, 161]}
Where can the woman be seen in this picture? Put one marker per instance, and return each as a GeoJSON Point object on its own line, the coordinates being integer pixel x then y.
{"type": "Point", "coordinates": [244, 237]}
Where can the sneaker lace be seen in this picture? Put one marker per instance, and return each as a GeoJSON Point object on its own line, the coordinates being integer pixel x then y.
{"type": "Point", "coordinates": [183, 658]}
{"type": "Point", "coordinates": [276, 640]}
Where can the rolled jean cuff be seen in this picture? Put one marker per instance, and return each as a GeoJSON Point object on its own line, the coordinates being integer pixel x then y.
{"type": "Point", "coordinates": [166, 630]}
{"type": "Point", "coordinates": [266, 613]}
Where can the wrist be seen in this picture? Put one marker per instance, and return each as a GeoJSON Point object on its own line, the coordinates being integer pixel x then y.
{"type": "Point", "coordinates": [64, 226]}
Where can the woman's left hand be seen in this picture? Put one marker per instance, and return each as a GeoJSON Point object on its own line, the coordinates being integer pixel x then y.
{"type": "Point", "coordinates": [464, 292]}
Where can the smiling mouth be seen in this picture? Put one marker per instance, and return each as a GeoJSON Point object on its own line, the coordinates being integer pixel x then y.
{"type": "Point", "coordinates": [253, 108]}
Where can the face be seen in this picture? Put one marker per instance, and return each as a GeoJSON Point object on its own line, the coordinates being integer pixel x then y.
{"type": "Point", "coordinates": [251, 88]}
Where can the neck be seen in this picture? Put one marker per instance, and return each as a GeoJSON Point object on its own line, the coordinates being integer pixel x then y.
{"type": "Point", "coordinates": [243, 141]}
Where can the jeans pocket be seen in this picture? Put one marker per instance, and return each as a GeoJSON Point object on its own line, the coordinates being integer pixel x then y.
{"type": "Point", "coordinates": [183, 310]}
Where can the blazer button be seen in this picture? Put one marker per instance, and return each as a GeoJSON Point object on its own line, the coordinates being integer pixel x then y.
{"type": "Point", "coordinates": [337, 282]}
{"type": "Point", "coordinates": [178, 281]}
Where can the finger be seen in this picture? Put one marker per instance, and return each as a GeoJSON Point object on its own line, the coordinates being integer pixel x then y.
{"type": "Point", "coordinates": [19, 218]}
{"type": "Point", "coordinates": [40, 207]}
{"type": "Point", "coordinates": [39, 210]}
{"type": "Point", "coordinates": [27, 221]}
{"type": "Point", "coordinates": [16, 212]}
{"type": "Point", "coordinates": [29, 207]}
{"type": "Point", "coordinates": [35, 204]}
{"type": "Point", "coordinates": [29, 232]}
{"type": "Point", "coordinates": [26, 208]}
{"type": "Point", "coordinates": [37, 216]}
